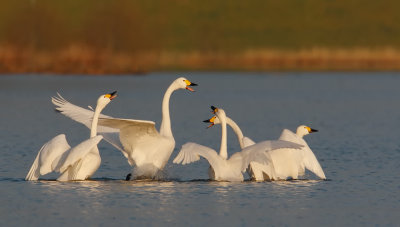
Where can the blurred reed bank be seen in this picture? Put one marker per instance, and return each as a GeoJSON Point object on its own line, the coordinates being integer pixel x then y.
{"type": "Point", "coordinates": [128, 36]}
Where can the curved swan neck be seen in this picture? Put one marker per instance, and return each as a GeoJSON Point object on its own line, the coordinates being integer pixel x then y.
{"type": "Point", "coordinates": [223, 152]}
{"type": "Point", "coordinates": [300, 134]}
{"type": "Point", "coordinates": [95, 120]}
{"type": "Point", "coordinates": [237, 131]}
{"type": "Point", "coordinates": [165, 128]}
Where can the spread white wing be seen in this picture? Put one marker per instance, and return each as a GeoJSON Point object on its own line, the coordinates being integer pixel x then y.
{"type": "Point", "coordinates": [191, 152]}
{"type": "Point", "coordinates": [79, 152]}
{"type": "Point", "coordinates": [272, 148]}
{"type": "Point", "coordinates": [85, 116]}
{"type": "Point", "coordinates": [77, 113]}
{"type": "Point", "coordinates": [312, 164]}
{"type": "Point", "coordinates": [247, 141]}
{"type": "Point", "coordinates": [288, 135]}
{"type": "Point", "coordinates": [133, 134]}
{"type": "Point", "coordinates": [254, 153]}
{"type": "Point", "coordinates": [308, 157]}
{"type": "Point", "coordinates": [48, 157]}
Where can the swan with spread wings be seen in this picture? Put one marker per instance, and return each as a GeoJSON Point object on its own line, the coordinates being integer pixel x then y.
{"type": "Point", "coordinates": [78, 163]}
{"type": "Point", "coordinates": [289, 162]}
{"type": "Point", "coordinates": [222, 168]}
{"type": "Point", "coordinates": [144, 147]}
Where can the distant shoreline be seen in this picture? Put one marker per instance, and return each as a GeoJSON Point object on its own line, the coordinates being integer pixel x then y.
{"type": "Point", "coordinates": [84, 60]}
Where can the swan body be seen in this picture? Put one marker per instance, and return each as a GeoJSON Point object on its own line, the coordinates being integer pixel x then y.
{"type": "Point", "coordinates": [288, 162]}
{"type": "Point", "coordinates": [78, 163]}
{"type": "Point", "coordinates": [304, 158]}
{"type": "Point", "coordinates": [139, 141]}
{"type": "Point", "coordinates": [143, 145]}
{"type": "Point", "coordinates": [256, 170]}
{"type": "Point", "coordinates": [222, 168]}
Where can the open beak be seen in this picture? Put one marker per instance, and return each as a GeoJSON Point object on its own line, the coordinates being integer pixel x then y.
{"type": "Point", "coordinates": [189, 85]}
{"type": "Point", "coordinates": [113, 95]}
{"type": "Point", "coordinates": [211, 120]}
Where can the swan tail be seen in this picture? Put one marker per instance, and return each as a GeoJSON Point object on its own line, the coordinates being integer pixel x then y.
{"type": "Point", "coordinates": [34, 172]}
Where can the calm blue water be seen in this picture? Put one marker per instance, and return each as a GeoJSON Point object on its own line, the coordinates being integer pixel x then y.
{"type": "Point", "coordinates": [358, 146]}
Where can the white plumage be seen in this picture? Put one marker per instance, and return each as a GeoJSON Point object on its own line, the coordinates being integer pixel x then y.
{"type": "Point", "coordinates": [305, 157]}
{"type": "Point", "coordinates": [222, 168]}
{"type": "Point", "coordinates": [290, 154]}
{"type": "Point", "coordinates": [139, 141]}
{"type": "Point", "coordinates": [289, 162]}
{"type": "Point", "coordinates": [78, 163]}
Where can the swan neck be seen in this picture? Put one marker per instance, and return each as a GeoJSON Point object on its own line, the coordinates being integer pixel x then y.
{"type": "Point", "coordinates": [301, 135]}
{"type": "Point", "coordinates": [95, 120]}
{"type": "Point", "coordinates": [165, 128]}
{"type": "Point", "coordinates": [237, 131]}
{"type": "Point", "coordinates": [223, 152]}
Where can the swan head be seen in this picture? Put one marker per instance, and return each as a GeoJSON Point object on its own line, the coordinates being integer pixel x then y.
{"type": "Point", "coordinates": [103, 100]}
{"type": "Point", "coordinates": [215, 119]}
{"type": "Point", "coordinates": [220, 113]}
{"type": "Point", "coordinates": [183, 83]}
{"type": "Point", "coordinates": [303, 130]}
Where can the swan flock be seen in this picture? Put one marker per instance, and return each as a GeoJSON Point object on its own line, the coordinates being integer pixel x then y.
{"type": "Point", "coordinates": [147, 150]}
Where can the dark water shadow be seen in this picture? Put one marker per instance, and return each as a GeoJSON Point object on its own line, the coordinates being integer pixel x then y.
{"type": "Point", "coordinates": [176, 180]}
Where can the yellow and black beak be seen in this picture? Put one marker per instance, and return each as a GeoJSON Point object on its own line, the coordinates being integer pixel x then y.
{"type": "Point", "coordinates": [111, 95]}
{"type": "Point", "coordinates": [189, 85]}
{"type": "Point", "coordinates": [211, 120]}
{"type": "Point", "coordinates": [214, 109]}
{"type": "Point", "coordinates": [311, 130]}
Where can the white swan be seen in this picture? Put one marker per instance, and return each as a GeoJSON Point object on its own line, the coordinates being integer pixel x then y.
{"type": "Point", "coordinates": [289, 162]}
{"type": "Point", "coordinates": [78, 163]}
{"type": "Point", "coordinates": [222, 168]}
{"type": "Point", "coordinates": [292, 163]}
{"type": "Point", "coordinates": [263, 172]}
{"type": "Point", "coordinates": [139, 141]}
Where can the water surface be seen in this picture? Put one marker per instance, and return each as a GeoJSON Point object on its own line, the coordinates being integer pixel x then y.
{"type": "Point", "coordinates": [357, 115]}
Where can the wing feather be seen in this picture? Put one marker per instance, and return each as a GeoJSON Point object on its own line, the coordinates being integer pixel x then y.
{"type": "Point", "coordinates": [48, 156]}
{"type": "Point", "coordinates": [247, 141]}
{"type": "Point", "coordinates": [132, 134]}
{"type": "Point", "coordinates": [34, 173]}
{"type": "Point", "coordinates": [119, 123]}
{"type": "Point", "coordinates": [51, 153]}
{"type": "Point", "coordinates": [288, 135]}
{"type": "Point", "coordinates": [312, 164]}
{"type": "Point", "coordinates": [77, 113]}
{"type": "Point", "coordinates": [79, 151]}
{"type": "Point", "coordinates": [249, 154]}
{"type": "Point", "coordinates": [259, 153]}
{"type": "Point", "coordinates": [308, 157]}
{"type": "Point", "coordinates": [85, 116]}
{"type": "Point", "coordinates": [191, 152]}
